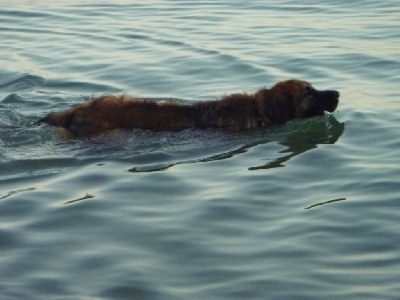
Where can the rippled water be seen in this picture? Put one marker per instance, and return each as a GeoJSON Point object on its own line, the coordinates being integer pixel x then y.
{"type": "Point", "coordinates": [307, 210]}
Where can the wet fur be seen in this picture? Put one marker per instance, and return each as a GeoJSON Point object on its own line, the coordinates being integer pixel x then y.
{"type": "Point", "coordinates": [285, 101]}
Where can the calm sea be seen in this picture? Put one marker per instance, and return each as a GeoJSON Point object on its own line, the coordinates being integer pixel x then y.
{"type": "Point", "coordinates": [307, 210]}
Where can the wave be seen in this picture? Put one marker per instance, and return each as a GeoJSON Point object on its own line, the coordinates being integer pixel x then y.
{"type": "Point", "coordinates": [25, 83]}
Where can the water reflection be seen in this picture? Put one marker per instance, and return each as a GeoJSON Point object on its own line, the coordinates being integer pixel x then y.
{"type": "Point", "coordinates": [308, 136]}
{"type": "Point", "coordinates": [298, 137]}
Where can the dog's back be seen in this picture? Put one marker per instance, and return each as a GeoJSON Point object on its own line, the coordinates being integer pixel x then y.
{"type": "Point", "coordinates": [110, 112]}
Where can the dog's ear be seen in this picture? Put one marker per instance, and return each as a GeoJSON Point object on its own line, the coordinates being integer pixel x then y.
{"type": "Point", "coordinates": [274, 107]}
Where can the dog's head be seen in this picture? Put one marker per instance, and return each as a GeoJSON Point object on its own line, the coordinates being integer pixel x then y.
{"type": "Point", "coordinates": [293, 99]}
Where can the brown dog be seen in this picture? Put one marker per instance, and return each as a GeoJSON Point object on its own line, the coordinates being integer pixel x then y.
{"type": "Point", "coordinates": [285, 101]}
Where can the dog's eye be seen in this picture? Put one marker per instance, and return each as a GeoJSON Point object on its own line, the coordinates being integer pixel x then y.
{"type": "Point", "coordinates": [308, 91]}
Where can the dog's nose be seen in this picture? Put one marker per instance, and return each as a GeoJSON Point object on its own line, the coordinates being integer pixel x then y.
{"type": "Point", "coordinates": [332, 94]}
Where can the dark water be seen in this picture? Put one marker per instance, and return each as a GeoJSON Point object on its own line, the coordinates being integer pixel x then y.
{"type": "Point", "coordinates": [308, 210]}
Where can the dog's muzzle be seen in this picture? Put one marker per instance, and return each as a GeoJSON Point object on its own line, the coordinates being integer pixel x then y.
{"type": "Point", "coordinates": [328, 99]}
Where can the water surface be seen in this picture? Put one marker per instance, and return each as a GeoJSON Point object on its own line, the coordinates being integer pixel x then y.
{"type": "Point", "coordinates": [307, 210]}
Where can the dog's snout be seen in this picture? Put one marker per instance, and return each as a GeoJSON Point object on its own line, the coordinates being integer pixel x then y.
{"type": "Point", "coordinates": [332, 94]}
{"type": "Point", "coordinates": [329, 94]}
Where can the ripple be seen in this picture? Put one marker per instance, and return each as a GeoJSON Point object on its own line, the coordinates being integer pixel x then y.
{"type": "Point", "coordinates": [311, 205]}
{"type": "Point", "coordinates": [24, 83]}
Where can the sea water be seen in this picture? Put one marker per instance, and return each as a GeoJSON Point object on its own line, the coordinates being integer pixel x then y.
{"type": "Point", "coordinates": [307, 210]}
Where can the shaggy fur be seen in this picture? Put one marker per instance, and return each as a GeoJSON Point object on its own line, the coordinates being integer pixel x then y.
{"type": "Point", "coordinates": [285, 101]}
